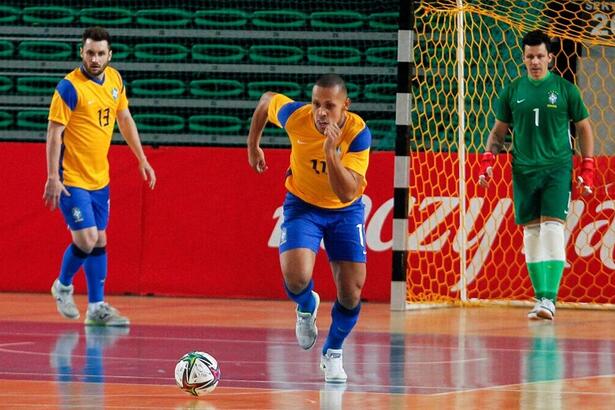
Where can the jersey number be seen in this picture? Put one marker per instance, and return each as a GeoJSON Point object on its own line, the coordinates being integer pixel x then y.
{"type": "Point", "coordinates": [535, 116]}
{"type": "Point", "coordinates": [323, 166]}
{"type": "Point", "coordinates": [103, 117]}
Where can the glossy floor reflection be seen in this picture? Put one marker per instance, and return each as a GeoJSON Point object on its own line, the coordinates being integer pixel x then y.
{"type": "Point", "coordinates": [447, 358]}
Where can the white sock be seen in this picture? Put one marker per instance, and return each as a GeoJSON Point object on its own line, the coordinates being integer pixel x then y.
{"type": "Point", "coordinates": [92, 307]}
{"type": "Point", "coordinates": [552, 241]}
{"type": "Point", "coordinates": [531, 243]}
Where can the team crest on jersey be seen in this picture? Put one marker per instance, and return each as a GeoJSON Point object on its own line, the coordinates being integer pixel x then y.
{"type": "Point", "coordinates": [77, 215]}
{"type": "Point", "coordinates": [552, 99]}
{"type": "Point", "coordinates": [115, 93]}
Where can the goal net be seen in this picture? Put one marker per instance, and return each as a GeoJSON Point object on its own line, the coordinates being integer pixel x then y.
{"type": "Point", "coordinates": [463, 245]}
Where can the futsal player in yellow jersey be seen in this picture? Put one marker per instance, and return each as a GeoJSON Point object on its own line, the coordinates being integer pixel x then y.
{"type": "Point", "coordinates": [84, 108]}
{"type": "Point", "coordinates": [325, 181]}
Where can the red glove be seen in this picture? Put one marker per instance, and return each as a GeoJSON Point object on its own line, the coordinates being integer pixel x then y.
{"type": "Point", "coordinates": [487, 160]}
{"type": "Point", "coordinates": [586, 176]}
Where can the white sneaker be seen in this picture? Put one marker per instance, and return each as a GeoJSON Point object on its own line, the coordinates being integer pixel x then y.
{"type": "Point", "coordinates": [305, 329]}
{"type": "Point", "coordinates": [332, 365]}
{"type": "Point", "coordinates": [106, 315]}
{"type": "Point", "coordinates": [64, 300]}
{"type": "Point", "coordinates": [543, 309]}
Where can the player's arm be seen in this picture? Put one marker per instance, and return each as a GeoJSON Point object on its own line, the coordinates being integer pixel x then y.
{"type": "Point", "coordinates": [344, 182]}
{"type": "Point", "coordinates": [585, 136]}
{"type": "Point", "coordinates": [495, 144]}
{"type": "Point", "coordinates": [256, 156]}
{"type": "Point", "coordinates": [53, 186]}
{"type": "Point", "coordinates": [129, 132]}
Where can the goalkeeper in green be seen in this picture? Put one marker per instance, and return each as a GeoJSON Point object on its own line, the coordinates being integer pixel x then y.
{"type": "Point", "coordinates": [539, 107]}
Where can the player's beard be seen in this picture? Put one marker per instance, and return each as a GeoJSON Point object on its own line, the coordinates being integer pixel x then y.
{"type": "Point", "coordinates": [95, 72]}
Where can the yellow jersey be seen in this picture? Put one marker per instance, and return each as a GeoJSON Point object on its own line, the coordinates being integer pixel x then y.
{"type": "Point", "coordinates": [87, 107]}
{"type": "Point", "coordinates": [307, 175]}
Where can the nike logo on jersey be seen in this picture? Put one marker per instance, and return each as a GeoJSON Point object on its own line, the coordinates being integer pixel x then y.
{"type": "Point", "coordinates": [301, 142]}
{"type": "Point", "coordinates": [520, 101]}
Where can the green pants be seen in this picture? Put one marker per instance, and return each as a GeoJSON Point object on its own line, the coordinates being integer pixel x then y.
{"type": "Point", "coordinates": [541, 192]}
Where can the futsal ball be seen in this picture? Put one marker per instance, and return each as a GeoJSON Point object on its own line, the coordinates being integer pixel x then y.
{"type": "Point", "coordinates": [197, 373]}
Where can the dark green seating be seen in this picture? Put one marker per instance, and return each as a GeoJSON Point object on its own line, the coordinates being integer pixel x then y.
{"type": "Point", "coordinates": [288, 88]}
{"type": "Point", "coordinates": [9, 14]}
{"type": "Point", "coordinates": [275, 54]}
{"type": "Point", "coordinates": [159, 122]}
{"type": "Point", "coordinates": [333, 55]}
{"type": "Point", "coordinates": [341, 19]}
{"type": "Point", "coordinates": [385, 92]}
{"type": "Point", "coordinates": [384, 21]}
{"type": "Point", "coordinates": [6, 119]}
{"type": "Point", "coordinates": [352, 89]}
{"type": "Point", "coordinates": [5, 83]}
{"type": "Point", "coordinates": [381, 55]}
{"type": "Point", "coordinates": [216, 88]}
{"type": "Point", "coordinates": [157, 87]}
{"type": "Point", "coordinates": [164, 52]}
{"type": "Point", "coordinates": [44, 50]}
{"type": "Point", "coordinates": [37, 85]}
{"type": "Point", "coordinates": [48, 15]}
{"type": "Point", "coordinates": [221, 18]}
{"type": "Point", "coordinates": [105, 16]}
{"type": "Point", "coordinates": [279, 19]}
{"type": "Point", "coordinates": [6, 48]}
{"type": "Point", "coordinates": [270, 129]}
{"type": "Point", "coordinates": [383, 133]}
{"type": "Point", "coordinates": [218, 53]}
{"type": "Point", "coordinates": [214, 124]}
{"type": "Point", "coordinates": [167, 17]}
{"type": "Point", "coordinates": [33, 120]}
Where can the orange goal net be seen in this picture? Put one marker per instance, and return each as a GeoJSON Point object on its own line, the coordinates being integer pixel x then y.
{"type": "Point", "coordinates": [463, 245]}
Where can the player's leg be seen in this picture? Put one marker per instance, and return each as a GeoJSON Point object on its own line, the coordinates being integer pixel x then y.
{"type": "Point", "coordinates": [95, 267]}
{"type": "Point", "coordinates": [555, 203]}
{"type": "Point", "coordinates": [345, 245]}
{"type": "Point", "coordinates": [299, 243]}
{"type": "Point", "coordinates": [526, 198]}
{"type": "Point", "coordinates": [79, 215]}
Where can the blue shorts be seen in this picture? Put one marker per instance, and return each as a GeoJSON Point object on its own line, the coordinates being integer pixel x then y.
{"type": "Point", "coordinates": [342, 230]}
{"type": "Point", "coordinates": [84, 209]}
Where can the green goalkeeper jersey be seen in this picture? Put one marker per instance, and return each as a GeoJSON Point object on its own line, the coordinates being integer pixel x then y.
{"type": "Point", "coordinates": [539, 112]}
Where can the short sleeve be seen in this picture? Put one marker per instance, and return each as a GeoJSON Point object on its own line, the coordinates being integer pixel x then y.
{"type": "Point", "coordinates": [357, 157]}
{"type": "Point", "coordinates": [577, 110]}
{"type": "Point", "coordinates": [275, 105]}
{"type": "Point", "coordinates": [59, 111]}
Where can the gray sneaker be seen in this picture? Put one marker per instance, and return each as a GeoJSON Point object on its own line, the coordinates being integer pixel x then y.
{"type": "Point", "coordinates": [332, 365]}
{"type": "Point", "coordinates": [305, 329]}
{"type": "Point", "coordinates": [105, 315]}
{"type": "Point", "coordinates": [544, 309]}
{"type": "Point", "coordinates": [64, 300]}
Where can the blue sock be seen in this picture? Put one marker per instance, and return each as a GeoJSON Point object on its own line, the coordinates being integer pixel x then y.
{"type": "Point", "coordinates": [305, 300]}
{"type": "Point", "coordinates": [341, 325]}
{"type": "Point", "coordinates": [95, 267]}
{"type": "Point", "coordinates": [71, 262]}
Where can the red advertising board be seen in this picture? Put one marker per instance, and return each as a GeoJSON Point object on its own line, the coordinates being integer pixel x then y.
{"type": "Point", "coordinates": [491, 242]}
{"type": "Point", "coordinates": [210, 227]}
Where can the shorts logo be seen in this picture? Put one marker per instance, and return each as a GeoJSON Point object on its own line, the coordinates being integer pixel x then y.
{"type": "Point", "coordinates": [282, 235]}
{"type": "Point", "coordinates": [77, 215]}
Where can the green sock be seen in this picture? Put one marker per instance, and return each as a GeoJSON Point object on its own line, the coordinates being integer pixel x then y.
{"type": "Point", "coordinates": [537, 276]}
{"type": "Point", "coordinates": [553, 276]}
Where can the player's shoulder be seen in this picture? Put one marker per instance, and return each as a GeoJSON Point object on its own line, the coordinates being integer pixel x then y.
{"type": "Point", "coordinates": [355, 122]}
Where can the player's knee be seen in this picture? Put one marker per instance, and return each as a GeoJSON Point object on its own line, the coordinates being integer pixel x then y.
{"type": "Point", "coordinates": [552, 238]}
{"type": "Point", "coordinates": [296, 283]}
{"type": "Point", "coordinates": [86, 241]}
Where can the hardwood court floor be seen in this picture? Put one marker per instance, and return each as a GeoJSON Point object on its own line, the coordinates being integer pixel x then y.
{"type": "Point", "coordinates": [457, 358]}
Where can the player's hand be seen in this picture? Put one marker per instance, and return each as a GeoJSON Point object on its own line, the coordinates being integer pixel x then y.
{"type": "Point", "coordinates": [333, 134]}
{"type": "Point", "coordinates": [585, 179]}
{"type": "Point", "coordinates": [148, 173]}
{"type": "Point", "coordinates": [487, 160]}
{"type": "Point", "coordinates": [256, 159]}
{"type": "Point", "coordinates": [53, 189]}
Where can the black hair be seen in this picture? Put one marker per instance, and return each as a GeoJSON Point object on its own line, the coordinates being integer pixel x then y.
{"type": "Point", "coordinates": [96, 34]}
{"type": "Point", "coordinates": [332, 80]}
{"type": "Point", "coordinates": [536, 38]}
